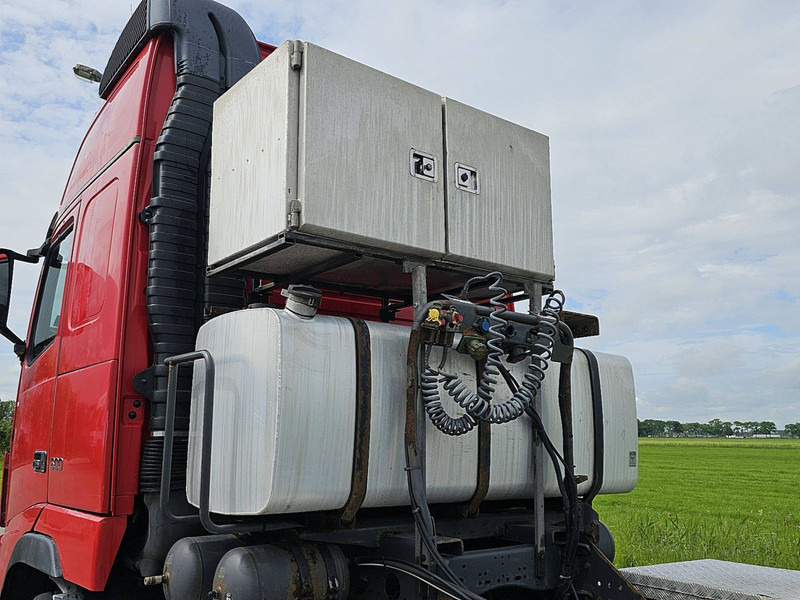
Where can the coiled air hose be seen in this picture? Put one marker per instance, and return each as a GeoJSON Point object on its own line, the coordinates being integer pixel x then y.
{"type": "Point", "coordinates": [478, 405]}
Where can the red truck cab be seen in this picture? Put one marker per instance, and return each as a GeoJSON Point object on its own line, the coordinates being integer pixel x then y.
{"type": "Point", "coordinates": [76, 409]}
{"type": "Point", "coordinates": [72, 477]}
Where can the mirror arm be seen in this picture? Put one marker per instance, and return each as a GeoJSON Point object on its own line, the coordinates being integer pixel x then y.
{"type": "Point", "coordinates": [13, 337]}
{"type": "Point", "coordinates": [34, 254]}
{"type": "Point", "coordinates": [27, 257]}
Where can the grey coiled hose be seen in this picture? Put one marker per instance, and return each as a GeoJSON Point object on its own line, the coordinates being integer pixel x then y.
{"type": "Point", "coordinates": [478, 405]}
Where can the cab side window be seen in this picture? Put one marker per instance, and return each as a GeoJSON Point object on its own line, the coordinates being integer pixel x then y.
{"type": "Point", "coordinates": [48, 308]}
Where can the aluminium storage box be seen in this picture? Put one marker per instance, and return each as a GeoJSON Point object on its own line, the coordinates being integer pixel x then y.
{"type": "Point", "coordinates": [314, 143]}
{"type": "Point", "coordinates": [284, 420]}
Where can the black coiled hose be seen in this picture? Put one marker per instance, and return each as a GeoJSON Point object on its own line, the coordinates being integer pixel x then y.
{"type": "Point", "coordinates": [478, 405]}
{"type": "Point", "coordinates": [429, 388]}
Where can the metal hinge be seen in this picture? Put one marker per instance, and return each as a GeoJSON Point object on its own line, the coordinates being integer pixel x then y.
{"type": "Point", "coordinates": [295, 208]}
{"type": "Point", "coordinates": [296, 58]}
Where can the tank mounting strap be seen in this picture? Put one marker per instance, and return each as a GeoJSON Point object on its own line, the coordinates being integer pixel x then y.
{"type": "Point", "coordinates": [332, 575]}
{"type": "Point", "coordinates": [303, 570]}
{"type": "Point", "coordinates": [597, 412]}
{"type": "Point", "coordinates": [358, 485]}
{"type": "Point", "coordinates": [471, 507]}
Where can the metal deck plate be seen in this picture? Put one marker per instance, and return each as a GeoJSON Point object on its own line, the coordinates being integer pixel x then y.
{"type": "Point", "coordinates": [714, 580]}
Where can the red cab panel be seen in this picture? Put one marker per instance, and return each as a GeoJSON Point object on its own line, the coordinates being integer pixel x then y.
{"type": "Point", "coordinates": [27, 483]}
{"type": "Point", "coordinates": [83, 428]}
{"type": "Point", "coordinates": [87, 544]}
{"type": "Point", "coordinates": [116, 125]}
{"type": "Point", "coordinates": [91, 333]}
{"type": "Point", "coordinates": [31, 435]}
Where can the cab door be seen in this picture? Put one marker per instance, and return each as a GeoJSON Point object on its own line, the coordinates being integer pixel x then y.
{"type": "Point", "coordinates": [85, 403]}
{"type": "Point", "coordinates": [30, 457]}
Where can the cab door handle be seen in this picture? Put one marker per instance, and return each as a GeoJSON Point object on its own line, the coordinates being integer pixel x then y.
{"type": "Point", "coordinates": [40, 461]}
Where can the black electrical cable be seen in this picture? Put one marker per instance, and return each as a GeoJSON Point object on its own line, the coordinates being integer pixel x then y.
{"type": "Point", "coordinates": [568, 488]}
{"type": "Point", "coordinates": [416, 484]}
{"type": "Point", "coordinates": [423, 520]}
{"type": "Point", "coordinates": [427, 577]}
{"type": "Point", "coordinates": [423, 377]}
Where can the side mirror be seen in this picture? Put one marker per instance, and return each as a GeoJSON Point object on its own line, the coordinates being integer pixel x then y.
{"type": "Point", "coordinates": [6, 275]}
{"type": "Point", "coordinates": [7, 258]}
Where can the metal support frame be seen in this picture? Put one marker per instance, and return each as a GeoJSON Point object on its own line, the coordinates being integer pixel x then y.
{"type": "Point", "coordinates": [534, 292]}
{"type": "Point", "coordinates": [174, 364]}
{"type": "Point", "coordinates": [419, 292]}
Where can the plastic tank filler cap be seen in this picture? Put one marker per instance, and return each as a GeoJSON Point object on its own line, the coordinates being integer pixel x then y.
{"type": "Point", "coordinates": [302, 300]}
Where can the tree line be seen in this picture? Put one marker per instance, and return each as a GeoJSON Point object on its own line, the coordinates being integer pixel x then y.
{"type": "Point", "coordinates": [714, 428]}
{"type": "Point", "coordinates": [6, 416]}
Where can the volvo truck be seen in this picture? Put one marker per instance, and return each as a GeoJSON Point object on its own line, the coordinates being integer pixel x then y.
{"type": "Point", "coordinates": [296, 335]}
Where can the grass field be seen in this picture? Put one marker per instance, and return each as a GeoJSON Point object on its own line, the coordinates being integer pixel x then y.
{"type": "Point", "coordinates": [736, 500]}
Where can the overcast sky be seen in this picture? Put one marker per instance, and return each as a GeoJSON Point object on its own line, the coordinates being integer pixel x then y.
{"type": "Point", "coordinates": [673, 127]}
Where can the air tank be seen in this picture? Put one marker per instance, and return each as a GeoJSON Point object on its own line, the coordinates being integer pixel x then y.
{"type": "Point", "coordinates": [191, 563]}
{"type": "Point", "coordinates": [283, 572]}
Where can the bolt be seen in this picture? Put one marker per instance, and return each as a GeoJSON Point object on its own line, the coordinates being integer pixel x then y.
{"type": "Point", "coordinates": [137, 403]}
{"type": "Point", "coordinates": [132, 414]}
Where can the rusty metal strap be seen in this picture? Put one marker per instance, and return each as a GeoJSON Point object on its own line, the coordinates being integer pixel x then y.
{"type": "Point", "coordinates": [358, 483]}
{"type": "Point", "coordinates": [334, 585]}
{"type": "Point", "coordinates": [471, 507]}
{"type": "Point", "coordinates": [597, 411]}
{"type": "Point", "coordinates": [303, 570]}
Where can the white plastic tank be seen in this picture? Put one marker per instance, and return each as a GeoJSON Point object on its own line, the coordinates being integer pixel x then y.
{"type": "Point", "coordinates": [284, 420]}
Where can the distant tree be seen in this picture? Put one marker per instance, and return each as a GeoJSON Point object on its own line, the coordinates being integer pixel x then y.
{"type": "Point", "coordinates": [693, 429]}
{"type": "Point", "coordinates": [766, 428]}
{"type": "Point", "coordinates": [653, 428]}
{"type": "Point", "coordinates": [714, 428]}
{"type": "Point", "coordinates": [6, 416]}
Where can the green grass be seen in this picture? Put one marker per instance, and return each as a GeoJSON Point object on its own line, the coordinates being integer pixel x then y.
{"type": "Point", "coordinates": [736, 500]}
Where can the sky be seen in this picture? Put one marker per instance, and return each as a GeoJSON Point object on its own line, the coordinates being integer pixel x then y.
{"type": "Point", "coordinates": [673, 126]}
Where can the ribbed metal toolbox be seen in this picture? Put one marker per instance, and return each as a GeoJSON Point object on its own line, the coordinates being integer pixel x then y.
{"type": "Point", "coordinates": [714, 580]}
{"type": "Point", "coordinates": [331, 171]}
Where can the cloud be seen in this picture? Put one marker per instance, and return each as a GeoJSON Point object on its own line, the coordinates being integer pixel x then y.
{"type": "Point", "coordinates": [673, 130]}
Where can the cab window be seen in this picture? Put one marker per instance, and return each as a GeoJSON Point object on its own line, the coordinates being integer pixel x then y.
{"type": "Point", "coordinates": [48, 307]}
